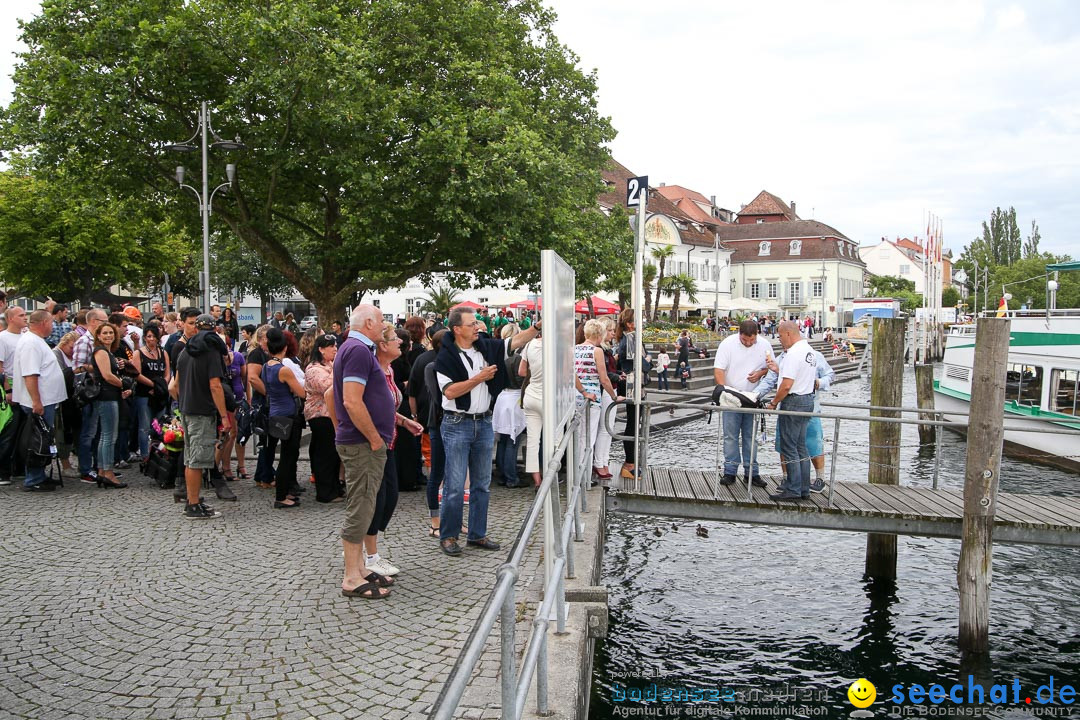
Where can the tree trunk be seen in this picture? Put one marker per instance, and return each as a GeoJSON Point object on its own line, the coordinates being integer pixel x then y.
{"type": "Point", "coordinates": [648, 299]}
{"type": "Point", "coordinates": [262, 310]}
{"type": "Point", "coordinates": [328, 310]}
{"type": "Point", "coordinates": [659, 284]}
{"type": "Point", "coordinates": [675, 306]}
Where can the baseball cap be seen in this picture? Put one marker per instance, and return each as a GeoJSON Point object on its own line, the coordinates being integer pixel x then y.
{"type": "Point", "coordinates": [133, 312]}
{"type": "Point", "coordinates": [205, 321]}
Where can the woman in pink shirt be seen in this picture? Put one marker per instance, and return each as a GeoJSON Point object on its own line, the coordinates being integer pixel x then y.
{"type": "Point", "coordinates": [325, 464]}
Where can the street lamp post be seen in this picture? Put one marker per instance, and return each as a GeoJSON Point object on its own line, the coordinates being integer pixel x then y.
{"type": "Point", "coordinates": [206, 197]}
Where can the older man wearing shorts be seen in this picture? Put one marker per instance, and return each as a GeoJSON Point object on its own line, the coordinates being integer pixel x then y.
{"type": "Point", "coordinates": [366, 414]}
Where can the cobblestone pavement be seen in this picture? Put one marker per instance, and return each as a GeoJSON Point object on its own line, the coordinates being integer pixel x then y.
{"type": "Point", "coordinates": [112, 605]}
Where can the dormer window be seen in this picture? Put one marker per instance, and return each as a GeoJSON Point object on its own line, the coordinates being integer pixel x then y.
{"type": "Point", "coordinates": [764, 247]}
{"type": "Point", "coordinates": [795, 248]}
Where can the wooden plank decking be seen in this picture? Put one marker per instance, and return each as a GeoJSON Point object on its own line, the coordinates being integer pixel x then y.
{"type": "Point", "coordinates": [856, 506]}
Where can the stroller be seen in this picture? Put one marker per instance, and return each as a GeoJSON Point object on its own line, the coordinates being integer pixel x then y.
{"type": "Point", "coordinates": [166, 458]}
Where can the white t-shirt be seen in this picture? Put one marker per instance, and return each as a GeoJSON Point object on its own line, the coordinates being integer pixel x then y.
{"type": "Point", "coordinates": [479, 396]}
{"type": "Point", "coordinates": [663, 360]}
{"type": "Point", "coordinates": [8, 342]}
{"type": "Point", "coordinates": [799, 364]}
{"type": "Point", "coordinates": [534, 355]}
{"type": "Point", "coordinates": [34, 357]}
{"type": "Point", "coordinates": [737, 361]}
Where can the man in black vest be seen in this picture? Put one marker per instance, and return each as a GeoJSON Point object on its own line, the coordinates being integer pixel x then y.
{"type": "Point", "coordinates": [470, 372]}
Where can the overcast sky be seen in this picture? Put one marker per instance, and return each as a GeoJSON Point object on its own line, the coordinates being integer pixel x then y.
{"type": "Point", "coordinates": [867, 114]}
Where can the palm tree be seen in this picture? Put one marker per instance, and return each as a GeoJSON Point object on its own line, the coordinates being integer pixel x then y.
{"type": "Point", "coordinates": [618, 282]}
{"type": "Point", "coordinates": [440, 299]}
{"type": "Point", "coordinates": [661, 253]}
{"type": "Point", "coordinates": [648, 276]}
{"type": "Point", "coordinates": [675, 286]}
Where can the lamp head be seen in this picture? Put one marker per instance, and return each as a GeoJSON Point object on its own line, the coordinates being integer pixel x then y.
{"type": "Point", "coordinates": [1052, 286]}
{"type": "Point", "coordinates": [229, 145]}
{"type": "Point", "coordinates": [1008, 296]}
{"type": "Point", "coordinates": [230, 171]}
{"type": "Point", "coordinates": [179, 174]}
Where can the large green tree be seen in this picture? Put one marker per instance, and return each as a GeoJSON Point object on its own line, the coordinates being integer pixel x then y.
{"type": "Point", "coordinates": [1000, 242]}
{"type": "Point", "coordinates": [61, 238]}
{"type": "Point", "coordinates": [387, 139]}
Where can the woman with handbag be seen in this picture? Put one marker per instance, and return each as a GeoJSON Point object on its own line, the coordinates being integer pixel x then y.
{"type": "Point", "coordinates": [285, 393]}
{"type": "Point", "coordinates": [236, 377]}
{"type": "Point", "coordinates": [325, 463]}
{"type": "Point", "coordinates": [629, 346]}
{"type": "Point", "coordinates": [387, 350]}
{"type": "Point", "coordinates": [106, 411]}
{"type": "Point", "coordinates": [154, 365]}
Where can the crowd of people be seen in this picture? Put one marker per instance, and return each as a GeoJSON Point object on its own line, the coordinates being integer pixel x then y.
{"type": "Point", "coordinates": [382, 404]}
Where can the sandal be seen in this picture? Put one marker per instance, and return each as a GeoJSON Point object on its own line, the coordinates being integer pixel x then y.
{"type": "Point", "coordinates": [433, 532]}
{"type": "Point", "coordinates": [380, 580]}
{"type": "Point", "coordinates": [241, 473]}
{"type": "Point", "coordinates": [367, 591]}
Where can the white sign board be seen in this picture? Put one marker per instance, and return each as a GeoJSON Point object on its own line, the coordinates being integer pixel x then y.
{"type": "Point", "coordinates": [557, 317]}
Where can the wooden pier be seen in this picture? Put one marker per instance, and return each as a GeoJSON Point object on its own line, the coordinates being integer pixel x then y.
{"type": "Point", "coordinates": [856, 507]}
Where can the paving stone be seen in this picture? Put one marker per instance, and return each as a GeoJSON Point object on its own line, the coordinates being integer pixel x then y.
{"type": "Point", "coordinates": [155, 616]}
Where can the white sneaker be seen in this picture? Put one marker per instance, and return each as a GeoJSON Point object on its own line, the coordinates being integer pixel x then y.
{"type": "Point", "coordinates": [382, 567]}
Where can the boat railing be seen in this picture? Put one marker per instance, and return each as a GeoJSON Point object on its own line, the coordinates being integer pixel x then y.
{"type": "Point", "coordinates": [837, 412]}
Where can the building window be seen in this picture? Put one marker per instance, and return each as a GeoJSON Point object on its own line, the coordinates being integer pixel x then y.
{"type": "Point", "coordinates": [755, 291]}
{"type": "Point", "coordinates": [819, 288]}
{"type": "Point", "coordinates": [760, 221]}
{"type": "Point", "coordinates": [795, 248]}
{"type": "Point", "coordinates": [764, 247]}
{"type": "Point", "coordinates": [376, 302]}
{"type": "Point", "coordinates": [905, 269]}
{"type": "Point", "coordinates": [794, 293]}
{"type": "Point", "coordinates": [773, 291]}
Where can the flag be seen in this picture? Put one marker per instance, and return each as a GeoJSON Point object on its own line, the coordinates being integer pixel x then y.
{"type": "Point", "coordinates": [1003, 308]}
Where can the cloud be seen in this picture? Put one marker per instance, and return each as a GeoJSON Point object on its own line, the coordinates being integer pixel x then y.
{"type": "Point", "coordinates": [871, 113]}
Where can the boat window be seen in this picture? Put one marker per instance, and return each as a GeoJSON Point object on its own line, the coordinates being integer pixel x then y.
{"type": "Point", "coordinates": [1023, 384]}
{"type": "Point", "coordinates": [1063, 396]}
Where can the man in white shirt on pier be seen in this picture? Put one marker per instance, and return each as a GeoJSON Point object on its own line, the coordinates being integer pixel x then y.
{"type": "Point", "coordinates": [798, 375]}
{"type": "Point", "coordinates": [740, 363]}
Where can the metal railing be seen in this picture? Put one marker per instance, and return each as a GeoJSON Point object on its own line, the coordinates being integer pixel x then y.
{"type": "Point", "coordinates": [930, 417]}
{"type": "Point", "coordinates": [501, 604]}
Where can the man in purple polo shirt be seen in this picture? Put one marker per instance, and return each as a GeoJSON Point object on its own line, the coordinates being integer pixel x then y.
{"type": "Point", "coordinates": [366, 414]}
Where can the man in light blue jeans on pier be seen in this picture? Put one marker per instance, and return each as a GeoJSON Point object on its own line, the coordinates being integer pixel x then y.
{"type": "Point", "coordinates": [798, 375]}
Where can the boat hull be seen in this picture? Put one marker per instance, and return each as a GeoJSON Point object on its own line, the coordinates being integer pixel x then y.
{"type": "Point", "coordinates": [1053, 450]}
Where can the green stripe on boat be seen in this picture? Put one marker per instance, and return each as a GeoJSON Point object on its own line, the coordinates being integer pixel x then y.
{"type": "Point", "coordinates": [1034, 339]}
{"type": "Point", "coordinates": [1012, 407]}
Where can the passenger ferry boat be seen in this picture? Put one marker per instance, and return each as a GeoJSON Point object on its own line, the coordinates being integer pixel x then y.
{"type": "Point", "coordinates": [1042, 381]}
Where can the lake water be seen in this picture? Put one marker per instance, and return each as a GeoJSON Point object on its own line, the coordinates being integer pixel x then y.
{"type": "Point", "coordinates": [773, 622]}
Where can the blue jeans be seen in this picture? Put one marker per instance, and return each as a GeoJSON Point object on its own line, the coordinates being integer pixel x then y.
{"type": "Point", "coordinates": [792, 433]}
{"type": "Point", "coordinates": [438, 464]}
{"type": "Point", "coordinates": [36, 475]}
{"type": "Point", "coordinates": [468, 443]}
{"type": "Point", "coordinates": [86, 439]}
{"type": "Point", "coordinates": [662, 380]}
{"type": "Point", "coordinates": [506, 459]}
{"type": "Point", "coordinates": [142, 410]}
{"type": "Point", "coordinates": [738, 443]}
{"type": "Point", "coordinates": [106, 418]}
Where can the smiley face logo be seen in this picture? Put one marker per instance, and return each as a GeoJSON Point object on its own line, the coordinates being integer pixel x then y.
{"type": "Point", "coordinates": [862, 693]}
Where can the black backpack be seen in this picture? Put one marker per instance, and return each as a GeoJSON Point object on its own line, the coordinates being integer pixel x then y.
{"type": "Point", "coordinates": [514, 380]}
{"type": "Point", "coordinates": [86, 387]}
{"type": "Point", "coordinates": [38, 441]}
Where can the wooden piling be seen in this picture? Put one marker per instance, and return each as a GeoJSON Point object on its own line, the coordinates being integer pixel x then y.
{"type": "Point", "coordinates": [924, 392]}
{"type": "Point", "coordinates": [886, 389]}
{"type": "Point", "coordinates": [974, 572]}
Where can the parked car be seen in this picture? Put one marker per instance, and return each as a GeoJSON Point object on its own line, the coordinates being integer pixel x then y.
{"type": "Point", "coordinates": [308, 322]}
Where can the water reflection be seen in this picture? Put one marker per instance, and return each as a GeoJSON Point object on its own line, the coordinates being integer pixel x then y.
{"type": "Point", "coordinates": [783, 612]}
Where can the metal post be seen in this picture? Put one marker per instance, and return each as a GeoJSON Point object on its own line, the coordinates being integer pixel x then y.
{"type": "Point", "coordinates": [639, 320]}
{"type": "Point", "coordinates": [832, 460]}
{"type": "Point", "coordinates": [541, 673]}
{"type": "Point", "coordinates": [753, 456]}
{"type": "Point", "coordinates": [937, 449]}
{"type": "Point", "coordinates": [719, 452]}
{"type": "Point", "coordinates": [508, 681]}
{"type": "Point", "coordinates": [205, 209]}
{"type": "Point", "coordinates": [643, 453]}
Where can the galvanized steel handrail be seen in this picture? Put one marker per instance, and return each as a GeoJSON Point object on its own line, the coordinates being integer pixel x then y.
{"type": "Point", "coordinates": [501, 603]}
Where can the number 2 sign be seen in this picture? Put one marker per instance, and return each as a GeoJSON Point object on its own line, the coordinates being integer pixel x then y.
{"type": "Point", "coordinates": [636, 188]}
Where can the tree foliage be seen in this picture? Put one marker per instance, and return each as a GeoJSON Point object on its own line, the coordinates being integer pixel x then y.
{"type": "Point", "coordinates": [676, 286]}
{"type": "Point", "coordinates": [889, 286]}
{"type": "Point", "coordinates": [387, 140]}
{"type": "Point", "coordinates": [661, 253]}
{"type": "Point", "coordinates": [999, 243]}
{"type": "Point", "coordinates": [1031, 245]}
{"type": "Point", "coordinates": [62, 239]}
{"type": "Point", "coordinates": [950, 297]}
{"type": "Point", "coordinates": [440, 299]}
